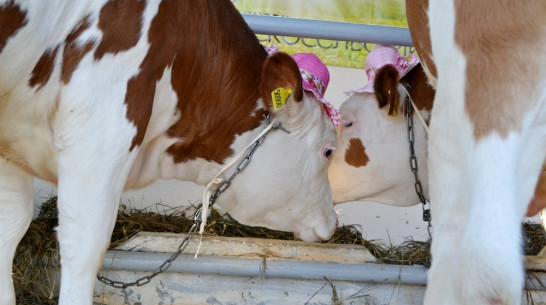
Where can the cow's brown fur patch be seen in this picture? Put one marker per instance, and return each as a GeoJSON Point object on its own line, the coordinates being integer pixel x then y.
{"type": "Point", "coordinates": [43, 68]}
{"type": "Point", "coordinates": [420, 90]}
{"type": "Point", "coordinates": [355, 155]}
{"type": "Point", "coordinates": [121, 26]}
{"type": "Point", "coordinates": [226, 74]}
{"type": "Point", "coordinates": [12, 18]}
{"type": "Point", "coordinates": [500, 43]}
{"type": "Point", "coordinates": [74, 51]}
{"type": "Point", "coordinates": [216, 63]}
{"type": "Point", "coordinates": [416, 12]}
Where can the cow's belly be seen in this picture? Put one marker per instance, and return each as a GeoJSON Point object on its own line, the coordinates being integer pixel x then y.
{"type": "Point", "coordinates": [26, 136]}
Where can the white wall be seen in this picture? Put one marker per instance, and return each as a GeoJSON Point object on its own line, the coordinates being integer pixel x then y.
{"type": "Point", "coordinates": [378, 221]}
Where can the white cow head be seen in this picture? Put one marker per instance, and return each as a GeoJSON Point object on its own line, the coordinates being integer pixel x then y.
{"type": "Point", "coordinates": [285, 186]}
{"type": "Point", "coordinates": [372, 158]}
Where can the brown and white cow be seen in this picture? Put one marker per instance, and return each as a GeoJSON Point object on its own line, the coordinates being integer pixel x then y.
{"type": "Point", "coordinates": [487, 145]}
{"type": "Point", "coordinates": [372, 158]}
{"type": "Point", "coordinates": [100, 96]}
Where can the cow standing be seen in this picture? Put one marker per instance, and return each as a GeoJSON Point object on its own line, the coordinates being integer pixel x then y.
{"type": "Point", "coordinates": [487, 145]}
{"type": "Point", "coordinates": [101, 96]}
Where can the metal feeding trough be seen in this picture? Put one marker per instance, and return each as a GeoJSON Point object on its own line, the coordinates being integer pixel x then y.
{"type": "Point", "coordinates": [239, 271]}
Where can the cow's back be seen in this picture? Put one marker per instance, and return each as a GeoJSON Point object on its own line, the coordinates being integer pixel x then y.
{"type": "Point", "coordinates": [63, 65]}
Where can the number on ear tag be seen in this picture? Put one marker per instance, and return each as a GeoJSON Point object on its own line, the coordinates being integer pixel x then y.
{"type": "Point", "coordinates": [279, 96]}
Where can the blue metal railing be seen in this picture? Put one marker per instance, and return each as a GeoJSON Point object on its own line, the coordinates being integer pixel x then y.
{"type": "Point", "coordinates": [320, 29]}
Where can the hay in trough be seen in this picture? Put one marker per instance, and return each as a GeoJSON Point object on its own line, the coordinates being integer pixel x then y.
{"type": "Point", "coordinates": [31, 276]}
{"type": "Point", "coordinates": [35, 285]}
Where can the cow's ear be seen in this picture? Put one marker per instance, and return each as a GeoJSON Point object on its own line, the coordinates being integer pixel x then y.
{"type": "Point", "coordinates": [280, 82]}
{"type": "Point", "coordinates": [386, 89]}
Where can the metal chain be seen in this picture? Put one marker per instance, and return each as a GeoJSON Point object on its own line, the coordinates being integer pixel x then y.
{"type": "Point", "coordinates": [197, 218]}
{"type": "Point", "coordinates": [414, 166]}
{"type": "Point", "coordinates": [163, 267]}
{"type": "Point", "coordinates": [244, 162]}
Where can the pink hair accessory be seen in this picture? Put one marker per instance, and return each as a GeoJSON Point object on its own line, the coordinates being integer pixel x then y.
{"type": "Point", "coordinates": [271, 49]}
{"type": "Point", "coordinates": [315, 79]}
{"type": "Point", "coordinates": [380, 56]}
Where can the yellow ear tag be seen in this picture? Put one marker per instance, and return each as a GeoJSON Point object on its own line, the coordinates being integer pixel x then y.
{"type": "Point", "coordinates": [279, 96]}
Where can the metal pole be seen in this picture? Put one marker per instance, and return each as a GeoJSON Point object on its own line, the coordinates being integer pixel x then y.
{"type": "Point", "coordinates": [248, 267]}
{"type": "Point", "coordinates": [343, 31]}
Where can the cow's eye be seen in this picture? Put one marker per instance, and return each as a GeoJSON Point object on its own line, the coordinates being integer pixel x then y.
{"type": "Point", "coordinates": [328, 152]}
{"type": "Point", "coordinates": [347, 123]}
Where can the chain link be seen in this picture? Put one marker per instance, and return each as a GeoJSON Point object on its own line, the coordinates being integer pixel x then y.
{"type": "Point", "coordinates": [244, 162]}
{"type": "Point", "coordinates": [162, 268]}
{"type": "Point", "coordinates": [197, 217]}
{"type": "Point", "coordinates": [425, 204]}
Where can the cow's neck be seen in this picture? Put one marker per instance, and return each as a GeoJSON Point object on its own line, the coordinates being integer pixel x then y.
{"type": "Point", "coordinates": [210, 139]}
{"type": "Point", "coordinates": [203, 158]}
{"type": "Point", "coordinates": [216, 89]}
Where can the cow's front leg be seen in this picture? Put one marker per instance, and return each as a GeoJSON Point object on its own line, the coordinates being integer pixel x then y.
{"type": "Point", "coordinates": [90, 185]}
{"type": "Point", "coordinates": [16, 206]}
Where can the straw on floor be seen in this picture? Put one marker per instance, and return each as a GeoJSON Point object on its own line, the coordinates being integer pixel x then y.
{"type": "Point", "coordinates": [34, 284]}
